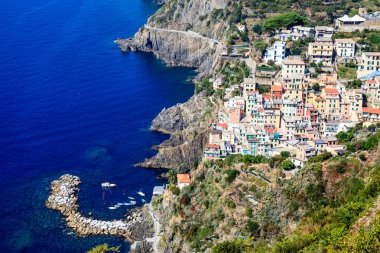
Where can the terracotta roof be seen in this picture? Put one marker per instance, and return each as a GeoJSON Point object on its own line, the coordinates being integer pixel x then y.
{"type": "Point", "coordinates": [331, 90]}
{"type": "Point", "coordinates": [276, 88]}
{"type": "Point", "coordinates": [266, 97]}
{"type": "Point", "coordinates": [209, 145]}
{"type": "Point", "coordinates": [371, 110]}
{"type": "Point", "coordinates": [371, 81]}
{"type": "Point", "coordinates": [223, 125]}
{"type": "Point", "coordinates": [183, 178]}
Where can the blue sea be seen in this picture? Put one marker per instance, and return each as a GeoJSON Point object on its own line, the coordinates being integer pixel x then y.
{"type": "Point", "coordinates": [71, 102]}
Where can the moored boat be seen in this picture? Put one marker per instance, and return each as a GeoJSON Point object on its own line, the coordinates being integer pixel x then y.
{"type": "Point", "coordinates": [108, 185]}
{"type": "Point", "coordinates": [141, 193]}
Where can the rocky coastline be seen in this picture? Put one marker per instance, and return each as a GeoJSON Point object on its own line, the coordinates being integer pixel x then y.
{"type": "Point", "coordinates": [137, 226]}
{"type": "Point", "coordinates": [179, 35]}
{"type": "Point", "coordinates": [188, 126]}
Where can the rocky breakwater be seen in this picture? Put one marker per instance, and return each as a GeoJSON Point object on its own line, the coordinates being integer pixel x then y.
{"type": "Point", "coordinates": [188, 125]}
{"type": "Point", "coordinates": [63, 198]}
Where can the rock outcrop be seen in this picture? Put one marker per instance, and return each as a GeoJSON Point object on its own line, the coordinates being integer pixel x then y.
{"type": "Point", "coordinates": [188, 125]}
{"type": "Point", "coordinates": [181, 34]}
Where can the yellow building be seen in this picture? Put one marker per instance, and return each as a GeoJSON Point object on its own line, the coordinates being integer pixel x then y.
{"type": "Point", "coordinates": [370, 62]}
{"type": "Point", "coordinates": [294, 87]}
{"type": "Point", "coordinates": [293, 66]}
{"type": "Point", "coordinates": [321, 52]}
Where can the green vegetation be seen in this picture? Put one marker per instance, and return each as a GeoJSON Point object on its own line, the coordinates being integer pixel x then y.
{"type": "Point", "coordinates": [366, 37]}
{"type": "Point", "coordinates": [104, 248]}
{"type": "Point", "coordinates": [287, 165]}
{"type": "Point", "coordinates": [346, 72]}
{"type": "Point", "coordinates": [355, 84]}
{"type": "Point", "coordinates": [260, 46]}
{"type": "Point", "coordinates": [284, 20]}
{"type": "Point", "coordinates": [264, 89]}
{"type": "Point", "coordinates": [316, 87]}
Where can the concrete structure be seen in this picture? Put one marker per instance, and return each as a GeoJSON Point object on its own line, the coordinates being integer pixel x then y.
{"type": "Point", "coordinates": [371, 114]}
{"type": "Point", "coordinates": [370, 63]}
{"type": "Point", "coordinates": [323, 33]}
{"type": "Point", "coordinates": [345, 50]}
{"type": "Point", "coordinates": [276, 52]}
{"type": "Point", "coordinates": [292, 66]}
{"type": "Point", "coordinates": [183, 180]}
{"type": "Point", "coordinates": [321, 52]}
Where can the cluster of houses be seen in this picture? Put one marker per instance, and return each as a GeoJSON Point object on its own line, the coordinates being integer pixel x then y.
{"type": "Point", "coordinates": [302, 113]}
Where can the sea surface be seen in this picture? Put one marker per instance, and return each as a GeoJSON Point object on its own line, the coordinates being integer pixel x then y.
{"type": "Point", "coordinates": [71, 102]}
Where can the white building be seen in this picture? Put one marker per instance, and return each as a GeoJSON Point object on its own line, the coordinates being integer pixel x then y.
{"type": "Point", "coordinates": [345, 48]}
{"type": "Point", "coordinates": [276, 52]}
{"type": "Point", "coordinates": [302, 30]}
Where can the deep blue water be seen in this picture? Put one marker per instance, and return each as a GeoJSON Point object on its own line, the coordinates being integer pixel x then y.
{"type": "Point", "coordinates": [70, 102]}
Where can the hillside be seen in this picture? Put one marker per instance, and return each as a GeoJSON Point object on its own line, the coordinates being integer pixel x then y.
{"type": "Point", "coordinates": [250, 204]}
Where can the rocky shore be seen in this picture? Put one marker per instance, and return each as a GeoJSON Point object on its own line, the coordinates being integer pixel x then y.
{"type": "Point", "coordinates": [188, 126]}
{"type": "Point", "coordinates": [63, 198]}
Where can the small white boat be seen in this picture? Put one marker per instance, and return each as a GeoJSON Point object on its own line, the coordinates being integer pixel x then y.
{"type": "Point", "coordinates": [141, 193]}
{"type": "Point", "coordinates": [131, 198]}
{"type": "Point", "coordinates": [127, 204]}
{"type": "Point", "coordinates": [132, 203]}
{"type": "Point", "coordinates": [112, 207]}
{"type": "Point", "coordinates": [143, 200]}
{"type": "Point", "coordinates": [108, 185]}
{"type": "Point", "coordinates": [120, 204]}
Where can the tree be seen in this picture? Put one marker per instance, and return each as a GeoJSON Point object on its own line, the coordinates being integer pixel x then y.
{"type": "Point", "coordinates": [284, 20]}
{"type": "Point", "coordinates": [260, 46]}
{"type": "Point", "coordinates": [355, 84]}
{"type": "Point", "coordinates": [285, 154]}
{"type": "Point", "coordinates": [104, 248]}
{"type": "Point", "coordinates": [271, 62]}
{"type": "Point", "coordinates": [287, 165]}
{"type": "Point", "coordinates": [257, 29]}
{"type": "Point", "coordinates": [316, 87]}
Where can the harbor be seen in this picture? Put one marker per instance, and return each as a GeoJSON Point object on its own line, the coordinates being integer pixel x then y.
{"type": "Point", "coordinates": [137, 225]}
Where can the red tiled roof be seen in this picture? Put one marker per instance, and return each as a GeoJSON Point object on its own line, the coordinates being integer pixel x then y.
{"type": "Point", "coordinates": [276, 88]}
{"type": "Point", "coordinates": [209, 145]}
{"type": "Point", "coordinates": [371, 81]}
{"type": "Point", "coordinates": [266, 96]}
{"type": "Point", "coordinates": [371, 110]}
{"type": "Point", "coordinates": [183, 178]}
{"type": "Point", "coordinates": [260, 109]}
{"type": "Point", "coordinates": [223, 125]}
{"type": "Point", "coordinates": [331, 90]}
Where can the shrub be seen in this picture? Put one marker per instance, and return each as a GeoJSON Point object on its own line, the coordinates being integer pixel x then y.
{"type": "Point", "coordinates": [287, 165]}
{"type": "Point", "coordinates": [231, 175]}
{"type": "Point", "coordinates": [230, 203]}
{"type": "Point", "coordinates": [285, 154]}
{"type": "Point", "coordinates": [340, 167]}
{"type": "Point", "coordinates": [362, 157]}
{"type": "Point", "coordinates": [248, 212]}
{"type": "Point", "coordinates": [104, 248]}
{"type": "Point", "coordinates": [252, 227]}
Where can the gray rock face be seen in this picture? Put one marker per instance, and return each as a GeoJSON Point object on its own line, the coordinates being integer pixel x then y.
{"type": "Point", "coordinates": [179, 35]}
{"type": "Point", "coordinates": [188, 125]}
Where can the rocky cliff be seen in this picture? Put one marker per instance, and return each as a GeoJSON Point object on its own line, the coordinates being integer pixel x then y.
{"type": "Point", "coordinates": [184, 33]}
{"type": "Point", "coordinates": [188, 125]}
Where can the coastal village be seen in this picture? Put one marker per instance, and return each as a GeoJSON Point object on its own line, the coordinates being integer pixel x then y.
{"type": "Point", "coordinates": [299, 102]}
